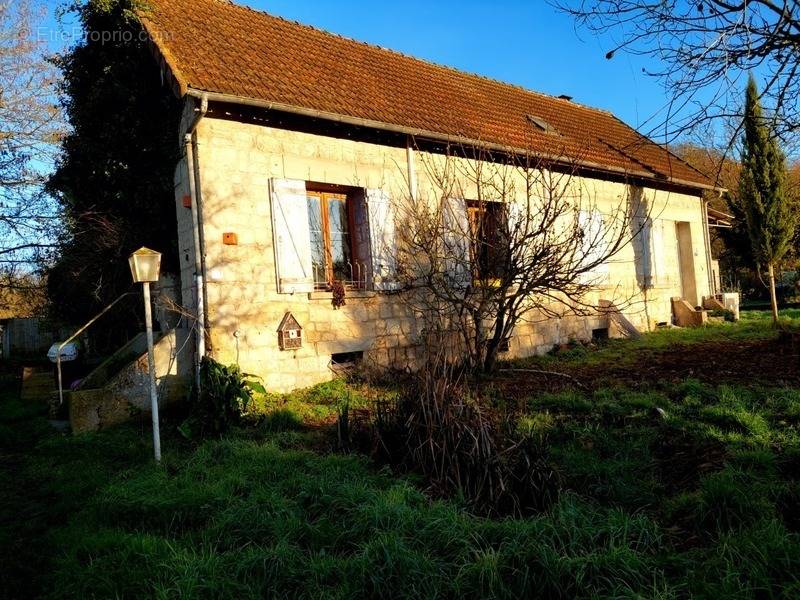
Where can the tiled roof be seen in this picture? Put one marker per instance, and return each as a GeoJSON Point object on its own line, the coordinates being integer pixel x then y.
{"type": "Point", "coordinates": [223, 48]}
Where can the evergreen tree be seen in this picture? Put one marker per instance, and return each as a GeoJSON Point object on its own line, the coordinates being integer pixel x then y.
{"type": "Point", "coordinates": [763, 197]}
{"type": "Point", "coordinates": [114, 177]}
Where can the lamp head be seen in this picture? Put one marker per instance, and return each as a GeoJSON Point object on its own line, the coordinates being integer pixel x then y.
{"type": "Point", "coordinates": [145, 265]}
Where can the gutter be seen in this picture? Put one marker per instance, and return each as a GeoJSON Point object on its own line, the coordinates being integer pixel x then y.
{"type": "Point", "coordinates": [427, 134]}
{"type": "Point", "coordinates": [198, 241]}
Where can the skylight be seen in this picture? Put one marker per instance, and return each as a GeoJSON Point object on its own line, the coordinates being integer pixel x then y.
{"type": "Point", "coordinates": [540, 123]}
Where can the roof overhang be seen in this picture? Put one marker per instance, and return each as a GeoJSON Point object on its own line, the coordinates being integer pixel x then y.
{"type": "Point", "coordinates": [717, 218]}
{"type": "Point", "coordinates": [435, 136]}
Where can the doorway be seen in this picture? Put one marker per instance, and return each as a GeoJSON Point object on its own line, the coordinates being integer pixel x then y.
{"type": "Point", "coordinates": [683, 232]}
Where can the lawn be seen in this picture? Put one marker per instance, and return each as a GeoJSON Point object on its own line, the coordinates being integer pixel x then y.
{"type": "Point", "coordinates": [673, 487]}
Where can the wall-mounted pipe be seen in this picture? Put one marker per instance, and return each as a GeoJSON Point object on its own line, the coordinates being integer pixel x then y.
{"type": "Point", "coordinates": [190, 145]}
{"type": "Point", "coordinates": [412, 171]}
{"type": "Point", "coordinates": [707, 239]}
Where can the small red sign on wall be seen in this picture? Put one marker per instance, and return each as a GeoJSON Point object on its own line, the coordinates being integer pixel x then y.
{"type": "Point", "coordinates": [230, 239]}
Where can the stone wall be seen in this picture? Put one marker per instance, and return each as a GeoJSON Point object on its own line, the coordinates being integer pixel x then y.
{"type": "Point", "coordinates": [236, 162]}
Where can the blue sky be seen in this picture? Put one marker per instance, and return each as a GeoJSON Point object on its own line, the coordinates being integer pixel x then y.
{"type": "Point", "coordinates": [525, 43]}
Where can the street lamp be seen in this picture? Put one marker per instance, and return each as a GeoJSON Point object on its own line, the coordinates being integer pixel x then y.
{"type": "Point", "coordinates": [145, 265]}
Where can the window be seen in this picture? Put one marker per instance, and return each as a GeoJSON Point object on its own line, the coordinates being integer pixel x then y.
{"type": "Point", "coordinates": [324, 233]}
{"type": "Point", "coordinates": [330, 226]}
{"type": "Point", "coordinates": [488, 244]}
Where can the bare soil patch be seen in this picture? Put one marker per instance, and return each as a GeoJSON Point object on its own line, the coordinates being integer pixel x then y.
{"type": "Point", "coordinates": [773, 362]}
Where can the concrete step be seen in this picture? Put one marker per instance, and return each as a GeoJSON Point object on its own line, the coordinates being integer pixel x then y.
{"type": "Point", "coordinates": [687, 315]}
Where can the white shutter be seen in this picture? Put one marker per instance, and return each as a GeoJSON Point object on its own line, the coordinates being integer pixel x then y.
{"type": "Point", "coordinates": [651, 268]}
{"type": "Point", "coordinates": [291, 236]}
{"type": "Point", "coordinates": [456, 239]}
{"type": "Point", "coordinates": [521, 228]}
{"type": "Point", "coordinates": [594, 245]}
{"type": "Point", "coordinates": [383, 245]}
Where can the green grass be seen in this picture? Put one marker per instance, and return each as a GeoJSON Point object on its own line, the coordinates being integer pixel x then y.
{"type": "Point", "coordinates": [701, 502]}
{"type": "Point", "coordinates": [319, 404]}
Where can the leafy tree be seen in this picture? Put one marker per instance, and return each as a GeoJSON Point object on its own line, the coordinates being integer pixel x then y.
{"type": "Point", "coordinates": [769, 212]}
{"type": "Point", "coordinates": [114, 176]}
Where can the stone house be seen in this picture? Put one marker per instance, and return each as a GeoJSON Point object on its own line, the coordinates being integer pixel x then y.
{"type": "Point", "coordinates": [297, 143]}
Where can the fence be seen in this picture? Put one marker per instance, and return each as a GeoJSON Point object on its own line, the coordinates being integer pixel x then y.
{"type": "Point", "coordinates": [25, 337]}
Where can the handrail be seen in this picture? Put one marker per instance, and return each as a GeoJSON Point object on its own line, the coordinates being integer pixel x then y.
{"type": "Point", "coordinates": [76, 334]}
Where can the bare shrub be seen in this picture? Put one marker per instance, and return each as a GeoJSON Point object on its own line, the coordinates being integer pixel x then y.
{"type": "Point", "coordinates": [440, 428]}
{"type": "Point", "coordinates": [493, 241]}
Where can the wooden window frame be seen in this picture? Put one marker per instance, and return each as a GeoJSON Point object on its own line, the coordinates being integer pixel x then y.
{"type": "Point", "coordinates": [476, 209]}
{"type": "Point", "coordinates": [324, 194]}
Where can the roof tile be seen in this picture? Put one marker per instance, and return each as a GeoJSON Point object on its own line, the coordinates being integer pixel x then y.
{"type": "Point", "coordinates": [218, 46]}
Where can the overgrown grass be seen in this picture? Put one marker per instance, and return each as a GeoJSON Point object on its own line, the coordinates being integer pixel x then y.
{"type": "Point", "coordinates": [674, 490]}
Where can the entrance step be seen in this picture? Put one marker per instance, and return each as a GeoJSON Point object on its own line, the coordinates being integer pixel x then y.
{"type": "Point", "coordinates": [712, 303]}
{"type": "Point", "coordinates": [687, 315]}
{"type": "Point", "coordinates": [120, 387]}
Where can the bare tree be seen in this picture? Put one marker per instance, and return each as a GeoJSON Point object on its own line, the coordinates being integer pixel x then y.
{"type": "Point", "coordinates": [498, 240]}
{"type": "Point", "coordinates": [30, 127]}
{"type": "Point", "coordinates": [705, 47]}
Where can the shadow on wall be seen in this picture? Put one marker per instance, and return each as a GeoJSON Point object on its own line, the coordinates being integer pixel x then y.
{"type": "Point", "coordinates": [641, 227]}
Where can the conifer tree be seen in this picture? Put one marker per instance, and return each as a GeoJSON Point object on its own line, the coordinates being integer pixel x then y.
{"type": "Point", "coordinates": [763, 193]}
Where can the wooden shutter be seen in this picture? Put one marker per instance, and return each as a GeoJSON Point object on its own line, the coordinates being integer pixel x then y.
{"type": "Point", "coordinates": [362, 267]}
{"type": "Point", "coordinates": [291, 236]}
{"type": "Point", "coordinates": [642, 251]}
{"type": "Point", "coordinates": [456, 240]}
{"type": "Point", "coordinates": [383, 245]}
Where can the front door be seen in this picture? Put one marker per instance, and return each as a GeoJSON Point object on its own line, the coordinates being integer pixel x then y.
{"type": "Point", "coordinates": [683, 232]}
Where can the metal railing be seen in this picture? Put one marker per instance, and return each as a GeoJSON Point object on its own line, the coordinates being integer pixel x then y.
{"type": "Point", "coordinates": [76, 334]}
{"type": "Point", "coordinates": [357, 275]}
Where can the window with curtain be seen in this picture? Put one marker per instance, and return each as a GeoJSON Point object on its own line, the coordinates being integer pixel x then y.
{"type": "Point", "coordinates": [330, 226]}
{"type": "Point", "coordinates": [324, 233]}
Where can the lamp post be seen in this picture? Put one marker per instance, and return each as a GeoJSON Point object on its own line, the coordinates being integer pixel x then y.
{"type": "Point", "coordinates": [145, 265]}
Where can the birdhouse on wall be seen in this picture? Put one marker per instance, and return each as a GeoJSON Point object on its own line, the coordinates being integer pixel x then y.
{"type": "Point", "coordinates": [289, 333]}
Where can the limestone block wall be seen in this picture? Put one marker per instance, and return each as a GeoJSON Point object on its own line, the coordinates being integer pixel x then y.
{"type": "Point", "coordinates": [236, 163]}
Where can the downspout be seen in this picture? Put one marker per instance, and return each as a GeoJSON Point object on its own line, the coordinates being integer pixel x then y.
{"type": "Point", "coordinates": [707, 240]}
{"type": "Point", "coordinates": [412, 172]}
{"type": "Point", "coordinates": [190, 144]}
